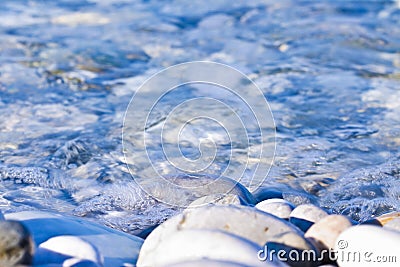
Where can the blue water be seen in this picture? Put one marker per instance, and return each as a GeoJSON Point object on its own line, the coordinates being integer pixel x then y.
{"type": "Point", "coordinates": [330, 71]}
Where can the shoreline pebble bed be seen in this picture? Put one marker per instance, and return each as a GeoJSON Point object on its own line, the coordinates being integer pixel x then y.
{"type": "Point", "coordinates": [215, 230]}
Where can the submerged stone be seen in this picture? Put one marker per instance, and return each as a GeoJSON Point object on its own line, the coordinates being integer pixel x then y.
{"type": "Point", "coordinates": [181, 190]}
{"type": "Point", "coordinates": [116, 247]}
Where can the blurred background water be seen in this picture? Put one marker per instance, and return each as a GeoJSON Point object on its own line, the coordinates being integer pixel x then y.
{"type": "Point", "coordinates": [329, 69]}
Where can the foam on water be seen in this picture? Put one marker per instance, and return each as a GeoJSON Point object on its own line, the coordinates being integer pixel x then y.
{"type": "Point", "coordinates": [366, 192]}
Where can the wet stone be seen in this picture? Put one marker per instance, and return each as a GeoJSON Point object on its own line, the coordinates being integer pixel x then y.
{"type": "Point", "coordinates": [386, 218]}
{"type": "Point", "coordinates": [60, 248]}
{"type": "Point", "coordinates": [275, 206]}
{"type": "Point", "coordinates": [325, 231]}
{"type": "Point", "coordinates": [115, 246]}
{"type": "Point", "coordinates": [197, 244]}
{"type": "Point", "coordinates": [16, 246]}
{"type": "Point", "coordinates": [393, 224]}
{"type": "Point", "coordinates": [289, 243]}
{"type": "Point", "coordinates": [246, 222]}
{"type": "Point", "coordinates": [367, 242]}
{"type": "Point", "coordinates": [304, 216]}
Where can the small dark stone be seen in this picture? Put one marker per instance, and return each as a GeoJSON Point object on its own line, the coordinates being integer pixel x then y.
{"type": "Point", "coordinates": [16, 246]}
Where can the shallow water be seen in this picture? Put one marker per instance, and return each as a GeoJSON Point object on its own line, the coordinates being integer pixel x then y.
{"type": "Point", "coordinates": [329, 70]}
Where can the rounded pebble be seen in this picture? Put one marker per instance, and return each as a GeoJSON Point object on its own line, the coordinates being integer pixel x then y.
{"type": "Point", "coordinates": [189, 245]}
{"type": "Point", "coordinates": [325, 231]}
{"type": "Point", "coordinates": [393, 224]}
{"type": "Point", "coordinates": [368, 245]}
{"type": "Point", "coordinates": [60, 248]}
{"type": "Point", "coordinates": [304, 216]}
{"type": "Point", "coordinates": [386, 218]}
{"type": "Point", "coordinates": [247, 222]}
{"type": "Point", "coordinates": [276, 206]}
{"type": "Point", "coordinates": [283, 243]}
{"type": "Point", "coordinates": [16, 246]}
{"type": "Point", "coordinates": [116, 247]}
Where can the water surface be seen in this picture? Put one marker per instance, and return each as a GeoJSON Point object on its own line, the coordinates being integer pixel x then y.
{"type": "Point", "coordinates": [330, 71]}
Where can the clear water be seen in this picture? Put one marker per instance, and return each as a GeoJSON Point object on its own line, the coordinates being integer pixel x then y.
{"type": "Point", "coordinates": [329, 69]}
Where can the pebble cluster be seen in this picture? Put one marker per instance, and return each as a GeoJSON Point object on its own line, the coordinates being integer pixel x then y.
{"type": "Point", "coordinates": [215, 230]}
{"type": "Point", "coordinates": [35, 238]}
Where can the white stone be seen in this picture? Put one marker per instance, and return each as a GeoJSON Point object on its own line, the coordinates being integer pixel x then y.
{"type": "Point", "coordinates": [247, 222]}
{"type": "Point", "coordinates": [388, 217]}
{"type": "Point", "coordinates": [361, 246]}
{"type": "Point", "coordinates": [393, 225]}
{"type": "Point", "coordinates": [276, 206]}
{"type": "Point", "coordinates": [116, 247]}
{"type": "Point", "coordinates": [325, 231]}
{"type": "Point", "coordinates": [189, 245]}
{"type": "Point", "coordinates": [58, 249]}
{"type": "Point", "coordinates": [303, 216]}
{"type": "Point", "coordinates": [282, 243]}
